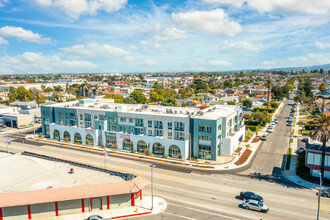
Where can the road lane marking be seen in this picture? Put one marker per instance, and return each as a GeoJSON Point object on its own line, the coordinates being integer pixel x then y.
{"type": "Point", "coordinates": [180, 216]}
{"type": "Point", "coordinates": [85, 159]}
{"type": "Point", "coordinates": [206, 212]}
{"type": "Point", "coordinates": [320, 203]}
{"type": "Point", "coordinates": [324, 210]}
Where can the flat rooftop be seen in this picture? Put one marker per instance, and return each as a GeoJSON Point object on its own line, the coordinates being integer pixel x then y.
{"type": "Point", "coordinates": [25, 173]}
{"type": "Point", "coordinates": [212, 112]}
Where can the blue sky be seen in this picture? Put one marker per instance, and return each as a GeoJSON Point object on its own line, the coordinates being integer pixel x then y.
{"type": "Point", "coordinates": [50, 36]}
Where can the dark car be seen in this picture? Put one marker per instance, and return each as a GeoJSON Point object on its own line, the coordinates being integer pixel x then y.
{"type": "Point", "coordinates": [324, 193]}
{"type": "Point", "coordinates": [251, 195]}
{"type": "Point", "coordinates": [263, 137]}
{"type": "Point", "coordinates": [95, 217]}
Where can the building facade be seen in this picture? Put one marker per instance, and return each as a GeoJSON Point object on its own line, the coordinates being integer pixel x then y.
{"type": "Point", "coordinates": [161, 130]}
{"type": "Point", "coordinates": [313, 159]}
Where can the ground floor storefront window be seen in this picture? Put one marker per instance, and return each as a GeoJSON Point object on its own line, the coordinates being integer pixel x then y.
{"type": "Point", "coordinates": [141, 146]}
{"type": "Point", "coordinates": [204, 152]}
{"type": "Point", "coordinates": [174, 151]}
{"type": "Point", "coordinates": [127, 144]}
{"type": "Point", "coordinates": [158, 149]}
{"type": "Point", "coordinates": [110, 141]}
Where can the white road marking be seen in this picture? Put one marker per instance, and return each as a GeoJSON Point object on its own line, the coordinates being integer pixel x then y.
{"type": "Point", "coordinates": [198, 210]}
{"type": "Point", "coordinates": [180, 216]}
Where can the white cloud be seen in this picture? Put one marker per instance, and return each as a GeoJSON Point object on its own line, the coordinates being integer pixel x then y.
{"type": "Point", "coordinates": [131, 47]}
{"type": "Point", "coordinates": [75, 8]}
{"type": "Point", "coordinates": [295, 47]}
{"type": "Point", "coordinates": [240, 46]}
{"type": "Point", "coordinates": [269, 64]}
{"type": "Point", "coordinates": [309, 59]}
{"type": "Point", "coordinates": [220, 63]}
{"type": "Point", "coordinates": [3, 41]}
{"type": "Point", "coordinates": [287, 6]}
{"type": "Point", "coordinates": [37, 63]}
{"type": "Point", "coordinates": [171, 34]}
{"type": "Point", "coordinates": [236, 3]}
{"type": "Point", "coordinates": [153, 45]}
{"type": "Point", "coordinates": [150, 28]}
{"type": "Point", "coordinates": [149, 63]}
{"type": "Point", "coordinates": [128, 58]}
{"type": "Point", "coordinates": [322, 46]}
{"type": "Point", "coordinates": [21, 34]}
{"type": "Point", "coordinates": [216, 21]}
{"type": "Point", "coordinates": [3, 2]}
{"type": "Point", "coordinates": [94, 50]}
{"type": "Point", "coordinates": [300, 6]}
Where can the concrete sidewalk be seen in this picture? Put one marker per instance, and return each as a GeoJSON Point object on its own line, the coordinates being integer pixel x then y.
{"type": "Point", "coordinates": [142, 207]}
{"type": "Point", "coordinates": [291, 173]}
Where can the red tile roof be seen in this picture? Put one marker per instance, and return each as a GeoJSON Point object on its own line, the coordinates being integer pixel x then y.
{"type": "Point", "coordinates": [110, 93]}
{"type": "Point", "coordinates": [71, 193]}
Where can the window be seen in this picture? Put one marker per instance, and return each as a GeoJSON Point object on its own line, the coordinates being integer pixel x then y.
{"type": "Point", "coordinates": [205, 128]}
{"type": "Point", "coordinates": [149, 132]}
{"type": "Point", "coordinates": [61, 122]}
{"type": "Point", "coordinates": [113, 128]}
{"type": "Point", "coordinates": [204, 152]}
{"type": "Point", "coordinates": [113, 119]}
{"type": "Point", "coordinates": [131, 120]}
{"type": "Point", "coordinates": [130, 130]}
{"type": "Point", "coordinates": [219, 127]}
{"type": "Point", "coordinates": [169, 135]}
{"type": "Point", "coordinates": [149, 124]}
{"type": "Point", "coordinates": [47, 120]}
{"type": "Point", "coordinates": [81, 117]}
{"type": "Point", "coordinates": [60, 114]}
{"type": "Point", "coordinates": [102, 117]}
{"type": "Point", "coordinates": [66, 115]}
{"type": "Point", "coordinates": [95, 117]}
{"type": "Point", "coordinates": [205, 138]}
{"type": "Point", "coordinates": [169, 125]}
{"type": "Point", "coordinates": [122, 119]}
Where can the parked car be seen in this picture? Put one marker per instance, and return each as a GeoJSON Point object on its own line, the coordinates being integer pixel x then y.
{"type": "Point", "coordinates": [270, 129]}
{"type": "Point", "coordinates": [255, 205]}
{"type": "Point", "coordinates": [301, 123]}
{"type": "Point", "coordinates": [250, 195]}
{"type": "Point", "coordinates": [95, 217]}
{"type": "Point", "coordinates": [263, 137]}
{"type": "Point", "coordinates": [289, 123]}
{"type": "Point", "coordinates": [292, 114]}
{"type": "Point", "coordinates": [276, 120]}
{"type": "Point", "coordinates": [324, 192]}
{"type": "Point", "coordinates": [2, 130]}
{"type": "Point", "coordinates": [273, 124]}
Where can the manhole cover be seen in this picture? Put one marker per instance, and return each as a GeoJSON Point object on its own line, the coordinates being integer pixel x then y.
{"type": "Point", "coordinates": [226, 167]}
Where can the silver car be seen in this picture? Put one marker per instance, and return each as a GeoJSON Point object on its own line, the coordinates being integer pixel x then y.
{"type": "Point", "coordinates": [255, 205]}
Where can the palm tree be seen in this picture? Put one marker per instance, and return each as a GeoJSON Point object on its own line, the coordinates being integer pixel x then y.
{"type": "Point", "coordinates": [322, 134]}
{"type": "Point", "coordinates": [322, 89]}
{"type": "Point", "coordinates": [268, 84]}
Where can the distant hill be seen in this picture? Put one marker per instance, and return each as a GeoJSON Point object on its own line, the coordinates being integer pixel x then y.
{"type": "Point", "coordinates": [325, 67]}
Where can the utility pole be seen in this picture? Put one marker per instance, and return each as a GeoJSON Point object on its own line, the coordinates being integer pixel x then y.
{"type": "Point", "coordinates": [268, 85]}
{"type": "Point", "coordinates": [152, 186]}
{"type": "Point", "coordinates": [319, 198]}
{"type": "Point", "coordinates": [105, 158]}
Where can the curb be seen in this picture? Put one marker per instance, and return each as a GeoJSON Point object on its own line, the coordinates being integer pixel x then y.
{"type": "Point", "coordinates": [131, 215]}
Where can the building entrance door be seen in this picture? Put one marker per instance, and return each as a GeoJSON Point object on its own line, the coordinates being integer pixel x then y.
{"type": "Point", "coordinates": [96, 204]}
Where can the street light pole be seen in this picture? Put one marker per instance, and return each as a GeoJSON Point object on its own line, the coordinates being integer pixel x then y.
{"type": "Point", "coordinates": [152, 186]}
{"type": "Point", "coordinates": [319, 198]}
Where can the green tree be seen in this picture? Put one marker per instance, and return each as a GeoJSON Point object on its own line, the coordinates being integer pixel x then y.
{"type": "Point", "coordinates": [247, 102]}
{"type": "Point", "coordinates": [129, 100]}
{"type": "Point", "coordinates": [138, 96]}
{"type": "Point", "coordinates": [231, 102]}
{"type": "Point", "coordinates": [169, 102]}
{"type": "Point", "coordinates": [274, 104]}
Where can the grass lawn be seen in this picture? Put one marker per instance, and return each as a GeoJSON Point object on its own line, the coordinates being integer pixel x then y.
{"type": "Point", "coordinates": [306, 132]}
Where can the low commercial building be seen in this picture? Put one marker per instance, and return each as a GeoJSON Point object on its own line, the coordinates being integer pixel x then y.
{"type": "Point", "coordinates": [314, 159]}
{"type": "Point", "coordinates": [165, 131]}
{"type": "Point", "coordinates": [39, 187]}
{"type": "Point", "coordinates": [7, 110]}
{"type": "Point", "coordinates": [18, 120]}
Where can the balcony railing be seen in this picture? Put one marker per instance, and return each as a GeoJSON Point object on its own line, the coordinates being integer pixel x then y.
{"type": "Point", "coordinates": [158, 126]}
{"type": "Point", "coordinates": [179, 128]}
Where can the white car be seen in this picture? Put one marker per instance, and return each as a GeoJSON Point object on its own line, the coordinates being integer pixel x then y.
{"type": "Point", "coordinates": [255, 205]}
{"type": "Point", "coordinates": [270, 129]}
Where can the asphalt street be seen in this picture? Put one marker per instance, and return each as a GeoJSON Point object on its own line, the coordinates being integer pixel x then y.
{"type": "Point", "coordinates": [197, 195]}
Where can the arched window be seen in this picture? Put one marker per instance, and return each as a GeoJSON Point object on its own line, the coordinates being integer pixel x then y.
{"type": "Point", "coordinates": [77, 138]}
{"type": "Point", "coordinates": [67, 135]}
{"type": "Point", "coordinates": [141, 146]}
{"type": "Point", "coordinates": [127, 144]}
{"type": "Point", "coordinates": [174, 151]}
{"type": "Point", "coordinates": [56, 134]}
{"type": "Point", "coordinates": [89, 139]}
{"type": "Point", "coordinates": [158, 149]}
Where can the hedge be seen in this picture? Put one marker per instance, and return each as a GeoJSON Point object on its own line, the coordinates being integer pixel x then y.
{"type": "Point", "coordinates": [254, 123]}
{"type": "Point", "coordinates": [252, 128]}
{"type": "Point", "coordinates": [263, 110]}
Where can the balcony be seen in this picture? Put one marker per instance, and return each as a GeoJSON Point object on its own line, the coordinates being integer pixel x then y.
{"type": "Point", "coordinates": [139, 124]}
{"type": "Point", "coordinates": [159, 126]}
{"type": "Point", "coordinates": [179, 128]}
{"type": "Point", "coordinates": [87, 118]}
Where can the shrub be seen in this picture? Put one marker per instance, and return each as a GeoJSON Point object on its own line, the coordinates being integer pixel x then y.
{"type": "Point", "coordinates": [66, 139]}
{"type": "Point", "coordinates": [40, 135]}
{"type": "Point", "coordinates": [243, 158]}
{"type": "Point", "coordinates": [87, 141]}
{"type": "Point", "coordinates": [180, 156]}
{"type": "Point", "coordinates": [238, 149]}
{"type": "Point", "coordinates": [147, 152]}
{"type": "Point", "coordinates": [114, 146]}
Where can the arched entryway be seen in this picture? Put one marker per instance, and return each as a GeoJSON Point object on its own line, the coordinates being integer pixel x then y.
{"type": "Point", "coordinates": [77, 138]}
{"type": "Point", "coordinates": [89, 139]}
{"type": "Point", "coordinates": [158, 149]}
{"type": "Point", "coordinates": [141, 146]}
{"type": "Point", "coordinates": [174, 151]}
{"type": "Point", "coordinates": [127, 144]}
{"type": "Point", "coordinates": [67, 136]}
{"type": "Point", "coordinates": [56, 135]}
